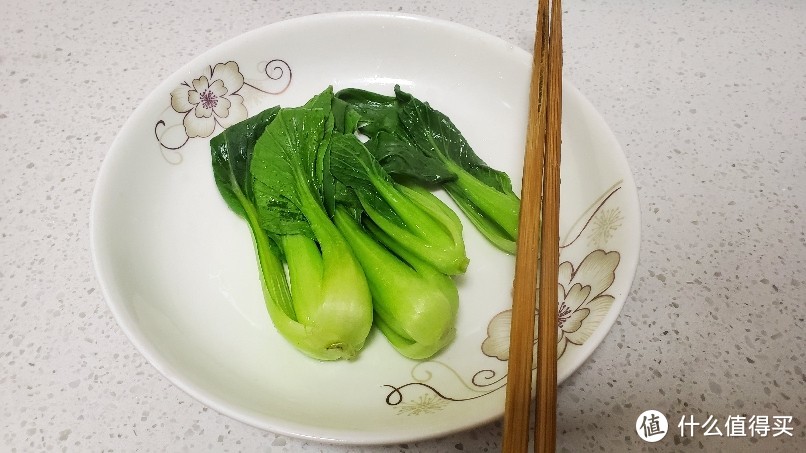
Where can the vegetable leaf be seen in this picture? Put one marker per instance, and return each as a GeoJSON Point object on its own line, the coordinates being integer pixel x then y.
{"type": "Point", "coordinates": [286, 168]}
{"type": "Point", "coordinates": [231, 157]}
{"type": "Point", "coordinates": [415, 220]}
{"type": "Point", "coordinates": [435, 134]}
{"type": "Point", "coordinates": [483, 193]}
{"type": "Point", "coordinates": [329, 289]}
{"type": "Point", "coordinates": [437, 153]}
{"type": "Point", "coordinates": [377, 112]}
{"type": "Point", "coordinates": [401, 158]}
{"type": "Point", "coordinates": [232, 153]}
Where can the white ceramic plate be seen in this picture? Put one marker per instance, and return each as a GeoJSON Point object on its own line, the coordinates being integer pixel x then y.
{"type": "Point", "coordinates": [178, 269]}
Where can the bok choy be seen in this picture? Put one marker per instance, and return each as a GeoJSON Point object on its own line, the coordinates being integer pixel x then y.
{"type": "Point", "coordinates": [345, 230]}
{"type": "Point", "coordinates": [329, 289]}
{"type": "Point", "coordinates": [415, 304]}
{"type": "Point", "coordinates": [408, 219]}
{"type": "Point", "coordinates": [484, 194]}
{"type": "Point", "coordinates": [266, 170]}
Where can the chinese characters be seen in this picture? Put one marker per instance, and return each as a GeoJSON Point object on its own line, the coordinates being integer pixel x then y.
{"type": "Point", "coordinates": [738, 426]}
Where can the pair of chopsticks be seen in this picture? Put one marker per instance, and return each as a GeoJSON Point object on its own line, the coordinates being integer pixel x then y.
{"type": "Point", "coordinates": [538, 248]}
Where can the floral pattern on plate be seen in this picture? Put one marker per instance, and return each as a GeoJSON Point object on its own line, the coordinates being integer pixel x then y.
{"type": "Point", "coordinates": [216, 99]}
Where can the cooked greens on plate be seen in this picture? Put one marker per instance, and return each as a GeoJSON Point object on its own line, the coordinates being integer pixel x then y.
{"type": "Point", "coordinates": [346, 231]}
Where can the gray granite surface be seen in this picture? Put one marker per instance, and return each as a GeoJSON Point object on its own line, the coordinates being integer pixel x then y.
{"type": "Point", "coordinates": [707, 98]}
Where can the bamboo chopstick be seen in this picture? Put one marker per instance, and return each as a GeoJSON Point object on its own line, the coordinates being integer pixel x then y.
{"type": "Point", "coordinates": [519, 380]}
{"type": "Point", "coordinates": [546, 400]}
{"type": "Point", "coordinates": [541, 168]}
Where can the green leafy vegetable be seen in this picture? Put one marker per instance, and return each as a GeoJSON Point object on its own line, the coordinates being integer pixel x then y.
{"type": "Point", "coordinates": [343, 228]}
{"type": "Point", "coordinates": [415, 304]}
{"type": "Point", "coordinates": [413, 220]}
{"type": "Point", "coordinates": [231, 157]}
{"type": "Point", "coordinates": [401, 159]}
{"type": "Point", "coordinates": [232, 154]}
{"type": "Point", "coordinates": [378, 119]}
{"type": "Point", "coordinates": [376, 112]}
{"type": "Point", "coordinates": [484, 194]}
{"type": "Point", "coordinates": [334, 301]}
{"type": "Point", "coordinates": [330, 313]}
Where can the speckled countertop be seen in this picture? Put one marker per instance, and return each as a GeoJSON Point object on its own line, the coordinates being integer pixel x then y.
{"type": "Point", "coordinates": [708, 100]}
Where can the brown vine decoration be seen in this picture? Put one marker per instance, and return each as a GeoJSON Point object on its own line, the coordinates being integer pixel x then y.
{"type": "Point", "coordinates": [395, 396]}
{"type": "Point", "coordinates": [492, 376]}
{"type": "Point", "coordinates": [590, 218]}
{"type": "Point", "coordinates": [275, 70]}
